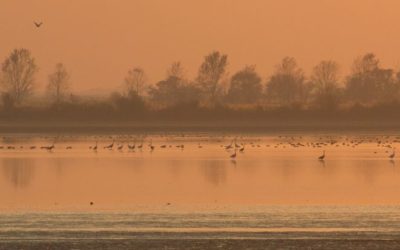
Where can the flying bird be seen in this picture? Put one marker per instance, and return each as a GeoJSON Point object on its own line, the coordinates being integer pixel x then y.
{"type": "Point", "coordinates": [38, 24]}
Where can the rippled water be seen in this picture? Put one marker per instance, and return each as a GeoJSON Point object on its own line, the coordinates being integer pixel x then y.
{"type": "Point", "coordinates": [274, 194]}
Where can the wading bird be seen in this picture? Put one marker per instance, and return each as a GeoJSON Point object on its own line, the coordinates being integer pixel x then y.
{"type": "Point", "coordinates": [38, 24]}
{"type": "Point", "coordinates": [393, 154]}
{"type": "Point", "coordinates": [229, 146]}
{"type": "Point", "coordinates": [110, 146]}
{"type": "Point", "coordinates": [49, 148]}
{"type": "Point", "coordinates": [132, 147]}
{"type": "Point", "coordinates": [322, 157]}
{"type": "Point", "coordinates": [151, 145]}
{"type": "Point", "coordinates": [233, 156]}
{"type": "Point", "coordinates": [141, 145]}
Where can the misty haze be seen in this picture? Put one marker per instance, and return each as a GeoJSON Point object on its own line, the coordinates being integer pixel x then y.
{"type": "Point", "coordinates": [177, 124]}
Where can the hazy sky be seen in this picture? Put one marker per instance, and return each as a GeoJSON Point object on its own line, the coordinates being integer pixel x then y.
{"type": "Point", "coordinates": [99, 40]}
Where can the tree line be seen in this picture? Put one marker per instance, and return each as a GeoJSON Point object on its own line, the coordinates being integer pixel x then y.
{"type": "Point", "coordinates": [367, 85]}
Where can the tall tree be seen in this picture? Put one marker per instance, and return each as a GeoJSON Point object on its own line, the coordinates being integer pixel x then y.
{"type": "Point", "coordinates": [210, 75]}
{"type": "Point", "coordinates": [325, 85]}
{"type": "Point", "coordinates": [176, 70]}
{"type": "Point", "coordinates": [18, 74]}
{"type": "Point", "coordinates": [174, 89]}
{"type": "Point", "coordinates": [245, 87]}
{"type": "Point", "coordinates": [286, 85]}
{"type": "Point", "coordinates": [58, 83]}
{"type": "Point", "coordinates": [369, 83]}
{"type": "Point", "coordinates": [135, 81]}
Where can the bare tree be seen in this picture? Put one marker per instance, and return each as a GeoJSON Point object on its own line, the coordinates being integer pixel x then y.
{"type": "Point", "coordinates": [365, 64]}
{"type": "Point", "coordinates": [210, 74]}
{"type": "Point", "coordinates": [135, 81]}
{"type": "Point", "coordinates": [286, 85]}
{"type": "Point", "coordinates": [325, 75]}
{"type": "Point", "coordinates": [18, 76]}
{"type": "Point", "coordinates": [58, 83]}
{"type": "Point", "coordinates": [176, 70]}
{"type": "Point", "coordinates": [325, 87]}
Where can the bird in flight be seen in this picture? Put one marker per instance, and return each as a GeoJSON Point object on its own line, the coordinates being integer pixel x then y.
{"type": "Point", "coordinates": [38, 24]}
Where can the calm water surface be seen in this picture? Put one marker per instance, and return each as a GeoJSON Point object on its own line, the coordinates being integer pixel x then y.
{"type": "Point", "coordinates": [274, 194]}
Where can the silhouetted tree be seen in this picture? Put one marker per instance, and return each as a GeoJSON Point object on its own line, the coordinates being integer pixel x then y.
{"type": "Point", "coordinates": [166, 92]}
{"type": "Point", "coordinates": [286, 85]}
{"type": "Point", "coordinates": [18, 71]}
{"type": "Point", "coordinates": [176, 70]}
{"type": "Point", "coordinates": [172, 92]}
{"type": "Point", "coordinates": [128, 104]}
{"type": "Point", "coordinates": [174, 89]}
{"type": "Point", "coordinates": [325, 87]}
{"type": "Point", "coordinates": [135, 81]}
{"type": "Point", "coordinates": [58, 83]}
{"type": "Point", "coordinates": [368, 83]}
{"type": "Point", "coordinates": [245, 87]}
{"type": "Point", "coordinates": [210, 75]}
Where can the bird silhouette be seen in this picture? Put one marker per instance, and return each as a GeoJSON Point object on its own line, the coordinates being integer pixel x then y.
{"type": "Point", "coordinates": [49, 148]}
{"type": "Point", "coordinates": [233, 156]}
{"type": "Point", "coordinates": [393, 154]}
{"type": "Point", "coordinates": [230, 145]}
{"type": "Point", "coordinates": [38, 24]}
{"type": "Point", "coordinates": [322, 157]}
{"type": "Point", "coordinates": [132, 147]}
{"type": "Point", "coordinates": [151, 145]}
{"type": "Point", "coordinates": [110, 146]}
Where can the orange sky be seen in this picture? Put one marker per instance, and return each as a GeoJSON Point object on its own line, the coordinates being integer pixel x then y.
{"type": "Point", "coordinates": [99, 40]}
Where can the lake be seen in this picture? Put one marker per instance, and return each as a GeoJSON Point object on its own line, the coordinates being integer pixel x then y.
{"type": "Point", "coordinates": [186, 191]}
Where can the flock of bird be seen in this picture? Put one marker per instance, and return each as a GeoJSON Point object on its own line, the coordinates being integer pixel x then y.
{"type": "Point", "coordinates": [381, 142]}
{"type": "Point", "coordinates": [233, 148]}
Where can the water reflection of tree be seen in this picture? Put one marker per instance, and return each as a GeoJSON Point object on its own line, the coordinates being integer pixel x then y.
{"type": "Point", "coordinates": [214, 171]}
{"type": "Point", "coordinates": [18, 171]}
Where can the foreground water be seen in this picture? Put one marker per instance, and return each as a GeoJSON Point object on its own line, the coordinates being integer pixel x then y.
{"type": "Point", "coordinates": [188, 193]}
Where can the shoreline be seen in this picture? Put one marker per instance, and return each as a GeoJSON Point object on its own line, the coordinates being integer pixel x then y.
{"type": "Point", "coordinates": [93, 127]}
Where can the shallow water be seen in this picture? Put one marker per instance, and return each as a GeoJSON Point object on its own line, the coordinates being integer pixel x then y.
{"type": "Point", "coordinates": [276, 190]}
